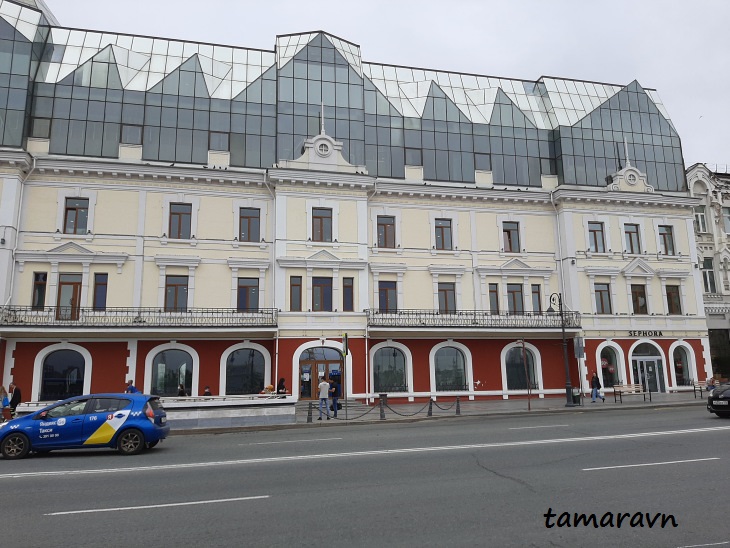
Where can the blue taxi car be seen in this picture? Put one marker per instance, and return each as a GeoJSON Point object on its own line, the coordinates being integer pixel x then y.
{"type": "Point", "coordinates": [128, 422]}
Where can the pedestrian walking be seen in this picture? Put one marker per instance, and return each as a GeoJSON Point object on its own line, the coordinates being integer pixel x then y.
{"type": "Point", "coordinates": [596, 389]}
{"type": "Point", "coordinates": [131, 389]}
{"type": "Point", "coordinates": [324, 391]}
{"type": "Point", "coordinates": [335, 393]}
{"type": "Point", "coordinates": [15, 397]}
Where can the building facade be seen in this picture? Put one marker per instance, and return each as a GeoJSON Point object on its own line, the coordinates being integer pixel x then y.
{"type": "Point", "coordinates": [711, 185]}
{"type": "Point", "coordinates": [197, 214]}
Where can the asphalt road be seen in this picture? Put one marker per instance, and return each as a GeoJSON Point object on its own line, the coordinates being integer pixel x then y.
{"type": "Point", "coordinates": [466, 481]}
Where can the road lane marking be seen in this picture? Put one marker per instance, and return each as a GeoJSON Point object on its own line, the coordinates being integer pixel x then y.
{"type": "Point", "coordinates": [287, 441]}
{"type": "Point", "coordinates": [547, 426]}
{"type": "Point", "coordinates": [712, 544]}
{"type": "Point", "coordinates": [370, 453]}
{"type": "Point", "coordinates": [648, 464]}
{"type": "Point", "coordinates": [150, 506]}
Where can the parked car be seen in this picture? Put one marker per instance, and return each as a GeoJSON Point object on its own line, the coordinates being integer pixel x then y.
{"type": "Point", "coordinates": [128, 422]}
{"type": "Point", "coordinates": [718, 401]}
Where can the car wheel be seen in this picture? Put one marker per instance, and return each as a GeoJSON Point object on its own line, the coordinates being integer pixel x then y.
{"type": "Point", "coordinates": [130, 442]}
{"type": "Point", "coordinates": [15, 446]}
{"type": "Point", "coordinates": [151, 444]}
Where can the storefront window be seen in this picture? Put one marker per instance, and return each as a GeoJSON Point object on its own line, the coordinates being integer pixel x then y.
{"type": "Point", "coordinates": [170, 369]}
{"type": "Point", "coordinates": [63, 375]}
{"type": "Point", "coordinates": [389, 370]}
{"type": "Point", "coordinates": [609, 368]}
{"type": "Point", "coordinates": [245, 370]}
{"type": "Point", "coordinates": [681, 366]}
{"type": "Point", "coordinates": [517, 372]}
{"type": "Point", "coordinates": [450, 369]}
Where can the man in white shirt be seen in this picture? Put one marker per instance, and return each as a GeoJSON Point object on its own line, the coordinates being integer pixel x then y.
{"type": "Point", "coordinates": [324, 391]}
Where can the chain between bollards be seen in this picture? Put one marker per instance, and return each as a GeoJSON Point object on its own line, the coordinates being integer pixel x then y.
{"type": "Point", "coordinates": [458, 406]}
{"type": "Point", "coordinates": [430, 408]}
{"type": "Point", "coordinates": [309, 412]}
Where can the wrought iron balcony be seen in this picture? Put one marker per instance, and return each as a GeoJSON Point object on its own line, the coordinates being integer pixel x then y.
{"type": "Point", "coordinates": [471, 319]}
{"type": "Point", "coordinates": [68, 316]}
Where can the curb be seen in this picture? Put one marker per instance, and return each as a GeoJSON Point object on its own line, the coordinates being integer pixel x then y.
{"type": "Point", "coordinates": [500, 413]}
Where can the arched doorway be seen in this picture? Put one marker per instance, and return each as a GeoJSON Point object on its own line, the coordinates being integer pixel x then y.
{"type": "Point", "coordinates": [647, 368]}
{"type": "Point", "coordinates": [316, 362]}
{"type": "Point", "coordinates": [170, 369]}
{"type": "Point", "coordinates": [682, 369]}
{"type": "Point", "coordinates": [609, 367]}
{"type": "Point", "coordinates": [62, 375]}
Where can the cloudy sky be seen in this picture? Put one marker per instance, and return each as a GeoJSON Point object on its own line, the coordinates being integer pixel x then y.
{"type": "Point", "coordinates": [678, 47]}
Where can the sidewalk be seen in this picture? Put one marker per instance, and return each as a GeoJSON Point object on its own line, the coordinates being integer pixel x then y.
{"type": "Point", "coordinates": [446, 407]}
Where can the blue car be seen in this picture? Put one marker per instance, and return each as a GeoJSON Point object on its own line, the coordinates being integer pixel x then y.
{"type": "Point", "coordinates": [128, 422]}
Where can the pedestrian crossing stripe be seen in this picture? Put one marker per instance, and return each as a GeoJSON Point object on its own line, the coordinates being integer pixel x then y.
{"type": "Point", "coordinates": [106, 431]}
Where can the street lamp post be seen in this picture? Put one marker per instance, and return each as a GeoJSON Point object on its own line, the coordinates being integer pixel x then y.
{"type": "Point", "coordinates": [556, 301]}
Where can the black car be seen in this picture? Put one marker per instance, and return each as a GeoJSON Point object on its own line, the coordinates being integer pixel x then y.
{"type": "Point", "coordinates": [718, 401]}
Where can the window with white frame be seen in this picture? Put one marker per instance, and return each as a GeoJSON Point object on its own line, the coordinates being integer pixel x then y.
{"type": "Point", "coordinates": [596, 238]}
{"type": "Point", "coordinates": [700, 219]}
{"type": "Point", "coordinates": [666, 240]}
{"type": "Point", "coordinates": [708, 275]}
{"type": "Point", "coordinates": [603, 298]}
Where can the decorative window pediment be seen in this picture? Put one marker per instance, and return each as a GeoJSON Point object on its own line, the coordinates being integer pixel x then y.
{"type": "Point", "coordinates": [70, 252]}
{"type": "Point", "coordinates": [638, 267]}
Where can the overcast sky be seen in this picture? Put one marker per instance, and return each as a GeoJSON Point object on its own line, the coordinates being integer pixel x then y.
{"type": "Point", "coordinates": [678, 47]}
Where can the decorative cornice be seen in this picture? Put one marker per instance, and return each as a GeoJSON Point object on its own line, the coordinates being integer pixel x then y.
{"type": "Point", "coordinates": [388, 268]}
{"type": "Point", "coordinates": [248, 263]}
{"type": "Point", "coordinates": [177, 260]}
{"type": "Point", "coordinates": [321, 178]}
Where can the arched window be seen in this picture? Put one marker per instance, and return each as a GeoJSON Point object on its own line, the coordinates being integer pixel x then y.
{"type": "Point", "coordinates": [450, 369]}
{"type": "Point", "coordinates": [609, 367]}
{"type": "Point", "coordinates": [170, 369]}
{"type": "Point", "coordinates": [681, 366]}
{"type": "Point", "coordinates": [63, 375]}
{"type": "Point", "coordinates": [517, 373]}
{"type": "Point", "coordinates": [389, 370]}
{"type": "Point", "coordinates": [245, 371]}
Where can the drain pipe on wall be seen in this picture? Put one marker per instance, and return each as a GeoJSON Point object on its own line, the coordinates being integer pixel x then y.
{"type": "Point", "coordinates": [17, 231]}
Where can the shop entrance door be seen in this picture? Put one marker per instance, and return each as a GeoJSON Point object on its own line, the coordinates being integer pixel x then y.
{"type": "Point", "coordinates": [648, 373]}
{"type": "Point", "coordinates": [315, 363]}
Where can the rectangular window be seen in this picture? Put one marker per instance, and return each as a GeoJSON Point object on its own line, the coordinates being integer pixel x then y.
{"type": "Point", "coordinates": [386, 231]}
{"type": "Point", "coordinates": [511, 237]}
{"type": "Point", "coordinates": [218, 141]}
{"type": "Point", "coordinates": [726, 219]}
{"type": "Point", "coordinates": [180, 219]}
{"type": "Point", "coordinates": [39, 290]}
{"type": "Point", "coordinates": [443, 234]}
{"type": "Point", "coordinates": [700, 219]}
{"type": "Point", "coordinates": [596, 238]}
{"type": "Point", "coordinates": [708, 275]}
{"type": "Point", "coordinates": [387, 296]}
{"type": "Point", "coordinates": [248, 294]}
{"type": "Point", "coordinates": [295, 293]}
{"type": "Point", "coordinates": [674, 304]}
{"type": "Point", "coordinates": [536, 299]}
{"type": "Point", "coordinates": [666, 240]}
{"type": "Point", "coordinates": [321, 294]}
{"type": "Point", "coordinates": [76, 216]}
{"type": "Point", "coordinates": [603, 298]}
{"type": "Point", "coordinates": [101, 282]}
{"type": "Point", "coordinates": [348, 294]}
{"type": "Point", "coordinates": [515, 299]}
{"type": "Point", "coordinates": [41, 128]}
{"type": "Point", "coordinates": [131, 135]}
{"type": "Point", "coordinates": [321, 224]}
{"type": "Point", "coordinates": [249, 223]}
{"type": "Point", "coordinates": [633, 242]}
{"type": "Point", "coordinates": [447, 297]}
{"type": "Point", "coordinates": [638, 299]}
{"type": "Point", "coordinates": [494, 298]}
{"type": "Point", "coordinates": [176, 293]}
{"type": "Point", "coordinates": [69, 296]}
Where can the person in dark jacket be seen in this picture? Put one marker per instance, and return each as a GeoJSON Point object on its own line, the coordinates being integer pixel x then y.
{"type": "Point", "coordinates": [595, 389]}
{"type": "Point", "coordinates": [15, 397]}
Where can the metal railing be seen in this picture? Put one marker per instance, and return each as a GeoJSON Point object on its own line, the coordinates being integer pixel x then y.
{"type": "Point", "coordinates": [66, 316]}
{"type": "Point", "coordinates": [470, 319]}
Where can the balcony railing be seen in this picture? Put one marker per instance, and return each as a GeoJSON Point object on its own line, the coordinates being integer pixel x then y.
{"type": "Point", "coordinates": [471, 319]}
{"type": "Point", "coordinates": [67, 316]}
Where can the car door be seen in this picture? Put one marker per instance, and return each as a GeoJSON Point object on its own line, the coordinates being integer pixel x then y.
{"type": "Point", "coordinates": [103, 418]}
{"type": "Point", "coordinates": [60, 426]}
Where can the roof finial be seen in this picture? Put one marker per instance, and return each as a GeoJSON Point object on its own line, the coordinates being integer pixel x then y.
{"type": "Point", "coordinates": [322, 117]}
{"type": "Point", "coordinates": [626, 149]}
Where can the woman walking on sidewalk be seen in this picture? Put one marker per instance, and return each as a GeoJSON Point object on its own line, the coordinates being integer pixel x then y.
{"type": "Point", "coordinates": [596, 389]}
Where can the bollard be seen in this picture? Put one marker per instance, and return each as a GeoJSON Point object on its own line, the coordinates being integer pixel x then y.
{"type": "Point", "coordinates": [309, 412]}
{"type": "Point", "coordinates": [382, 410]}
{"type": "Point", "coordinates": [458, 406]}
{"type": "Point", "coordinates": [430, 408]}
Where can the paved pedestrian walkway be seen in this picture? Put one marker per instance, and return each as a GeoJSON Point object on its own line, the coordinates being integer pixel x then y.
{"type": "Point", "coordinates": [448, 407]}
